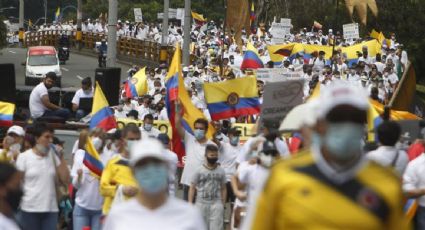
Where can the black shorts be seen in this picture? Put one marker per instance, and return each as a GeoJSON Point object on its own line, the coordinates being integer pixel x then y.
{"type": "Point", "coordinates": [230, 194]}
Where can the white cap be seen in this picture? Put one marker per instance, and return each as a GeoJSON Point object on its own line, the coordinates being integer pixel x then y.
{"type": "Point", "coordinates": [299, 116]}
{"type": "Point", "coordinates": [341, 93]}
{"type": "Point", "coordinates": [185, 69]}
{"type": "Point", "coordinates": [18, 130]}
{"type": "Point", "coordinates": [146, 148]}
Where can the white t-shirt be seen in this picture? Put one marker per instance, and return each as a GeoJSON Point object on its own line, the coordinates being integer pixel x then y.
{"type": "Point", "coordinates": [254, 177]}
{"type": "Point", "coordinates": [195, 157]}
{"type": "Point", "coordinates": [153, 133]}
{"type": "Point", "coordinates": [88, 195]}
{"type": "Point", "coordinates": [173, 214]}
{"type": "Point", "coordinates": [227, 158]}
{"type": "Point", "coordinates": [37, 107]}
{"type": "Point", "coordinates": [80, 94]}
{"type": "Point", "coordinates": [385, 155]}
{"type": "Point", "coordinates": [7, 223]}
{"type": "Point", "coordinates": [414, 177]}
{"type": "Point", "coordinates": [39, 181]}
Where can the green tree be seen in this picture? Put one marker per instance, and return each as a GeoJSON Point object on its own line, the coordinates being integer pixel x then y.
{"type": "Point", "coordinates": [3, 34]}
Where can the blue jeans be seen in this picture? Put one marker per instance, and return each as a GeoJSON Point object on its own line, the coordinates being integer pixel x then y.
{"type": "Point", "coordinates": [63, 113]}
{"type": "Point", "coordinates": [38, 220]}
{"type": "Point", "coordinates": [86, 218]}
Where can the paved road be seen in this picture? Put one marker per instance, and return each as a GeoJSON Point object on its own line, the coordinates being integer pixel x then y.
{"type": "Point", "coordinates": [77, 68]}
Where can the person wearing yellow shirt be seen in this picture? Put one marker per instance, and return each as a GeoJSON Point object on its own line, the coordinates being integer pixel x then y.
{"type": "Point", "coordinates": [117, 175]}
{"type": "Point", "coordinates": [332, 185]}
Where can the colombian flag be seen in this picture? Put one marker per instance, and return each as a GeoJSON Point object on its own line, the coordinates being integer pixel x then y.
{"type": "Point", "coordinates": [138, 85]}
{"type": "Point", "coordinates": [92, 159]}
{"type": "Point", "coordinates": [57, 14]}
{"type": "Point", "coordinates": [6, 113]}
{"type": "Point", "coordinates": [176, 91]}
{"type": "Point", "coordinates": [198, 18]}
{"type": "Point", "coordinates": [102, 115]}
{"type": "Point", "coordinates": [252, 17]}
{"type": "Point", "coordinates": [232, 98]}
{"type": "Point", "coordinates": [251, 58]}
{"type": "Point", "coordinates": [373, 121]}
{"type": "Point", "coordinates": [410, 208]}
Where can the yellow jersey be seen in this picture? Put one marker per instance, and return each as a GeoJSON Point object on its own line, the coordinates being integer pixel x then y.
{"type": "Point", "coordinates": [298, 195]}
{"type": "Point", "coordinates": [117, 172]}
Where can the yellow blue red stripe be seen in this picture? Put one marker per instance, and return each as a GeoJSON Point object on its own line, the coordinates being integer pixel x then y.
{"type": "Point", "coordinates": [6, 113]}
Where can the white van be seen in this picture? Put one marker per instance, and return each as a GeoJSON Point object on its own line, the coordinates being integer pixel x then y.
{"type": "Point", "coordinates": [41, 60]}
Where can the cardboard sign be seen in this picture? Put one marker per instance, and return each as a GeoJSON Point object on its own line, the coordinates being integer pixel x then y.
{"type": "Point", "coordinates": [351, 31]}
{"type": "Point", "coordinates": [280, 29]}
{"type": "Point", "coordinates": [280, 98]}
{"type": "Point", "coordinates": [138, 16]}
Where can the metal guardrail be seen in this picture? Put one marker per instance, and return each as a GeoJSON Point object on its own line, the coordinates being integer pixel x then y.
{"type": "Point", "coordinates": [126, 46]}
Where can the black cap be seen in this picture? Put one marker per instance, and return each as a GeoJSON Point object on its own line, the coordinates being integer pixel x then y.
{"type": "Point", "coordinates": [163, 138]}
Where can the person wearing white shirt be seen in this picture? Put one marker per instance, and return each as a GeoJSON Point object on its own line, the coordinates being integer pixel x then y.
{"type": "Point", "coordinates": [195, 145]}
{"type": "Point", "coordinates": [152, 208]}
{"type": "Point", "coordinates": [387, 154]}
{"type": "Point", "coordinates": [88, 201]}
{"type": "Point", "coordinates": [86, 91]}
{"type": "Point", "coordinates": [41, 166]}
{"type": "Point", "coordinates": [414, 187]}
{"type": "Point", "coordinates": [39, 102]}
{"type": "Point", "coordinates": [147, 130]}
{"type": "Point", "coordinates": [10, 185]}
{"type": "Point", "coordinates": [163, 115]}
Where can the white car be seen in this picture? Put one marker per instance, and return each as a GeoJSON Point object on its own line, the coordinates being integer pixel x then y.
{"type": "Point", "coordinates": [41, 60]}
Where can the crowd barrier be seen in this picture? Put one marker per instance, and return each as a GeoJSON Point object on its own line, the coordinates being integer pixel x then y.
{"type": "Point", "coordinates": [126, 46]}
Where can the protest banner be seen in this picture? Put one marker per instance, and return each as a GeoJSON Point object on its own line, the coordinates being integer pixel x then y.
{"type": "Point", "coordinates": [280, 98]}
{"type": "Point", "coordinates": [247, 130]}
{"type": "Point", "coordinates": [138, 16]}
{"type": "Point", "coordinates": [180, 15]}
{"type": "Point", "coordinates": [351, 31]}
{"type": "Point", "coordinates": [172, 14]}
{"type": "Point", "coordinates": [276, 74]}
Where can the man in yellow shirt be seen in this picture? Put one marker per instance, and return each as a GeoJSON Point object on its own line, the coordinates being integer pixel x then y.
{"type": "Point", "coordinates": [332, 186]}
{"type": "Point", "coordinates": [117, 173]}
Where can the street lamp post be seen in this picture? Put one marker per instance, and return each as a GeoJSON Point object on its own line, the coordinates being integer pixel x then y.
{"type": "Point", "coordinates": [187, 27]}
{"type": "Point", "coordinates": [111, 59]}
{"type": "Point", "coordinates": [45, 12]}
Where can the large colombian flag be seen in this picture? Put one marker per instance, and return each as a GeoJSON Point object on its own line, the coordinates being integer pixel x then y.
{"type": "Point", "coordinates": [6, 113]}
{"type": "Point", "coordinates": [137, 85]}
{"type": "Point", "coordinates": [102, 115]}
{"type": "Point", "coordinates": [176, 91]}
{"type": "Point", "coordinates": [92, 159]}
{"type": "Point", "coordinates": [232, 98]}
{"type": "Point", "coordinates": [251, 58]}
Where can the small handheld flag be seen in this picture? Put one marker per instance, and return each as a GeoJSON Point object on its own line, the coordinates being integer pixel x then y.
{"type": "Point", "coordinates": [92, 159]}
{"type": "Point", "coordinates": [102, 115]}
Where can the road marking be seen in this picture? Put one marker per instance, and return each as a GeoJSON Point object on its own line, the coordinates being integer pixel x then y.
{"type": "Point", "coordinates": [10, 51]}
{"type": "Point", "coordinates": [79, 77]}
{"type": "Point", "coordinates": [65, 69]}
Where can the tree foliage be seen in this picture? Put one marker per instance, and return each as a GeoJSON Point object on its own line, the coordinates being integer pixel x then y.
{"type": "Point", "coordinates": [3, 32]}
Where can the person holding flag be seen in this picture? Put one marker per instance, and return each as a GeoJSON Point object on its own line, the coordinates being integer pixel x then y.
{"type": "Point", "coordinates": [117, 182]}
{"type": "Point", "coordinates": [88, 201]}
{"type": "Point", "coordinates": [188, 123]}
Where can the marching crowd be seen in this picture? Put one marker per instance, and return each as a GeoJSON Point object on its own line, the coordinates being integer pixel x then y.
{"type": "Point", "coordinates": [332, 179]}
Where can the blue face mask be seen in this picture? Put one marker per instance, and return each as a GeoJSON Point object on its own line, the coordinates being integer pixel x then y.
{"type": "Point", "coordinates": [152, 178]}
{"type": "Point", "coordinates": [199, 134]}
{"type": "Point", "coordinates": [342, 140]}
{"type": "Point", "coordinates": [147, 127]}
{"type": "Point", "coordinates": [234, 141]}
{"type": "Point", "coordinates": [130, 144]}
